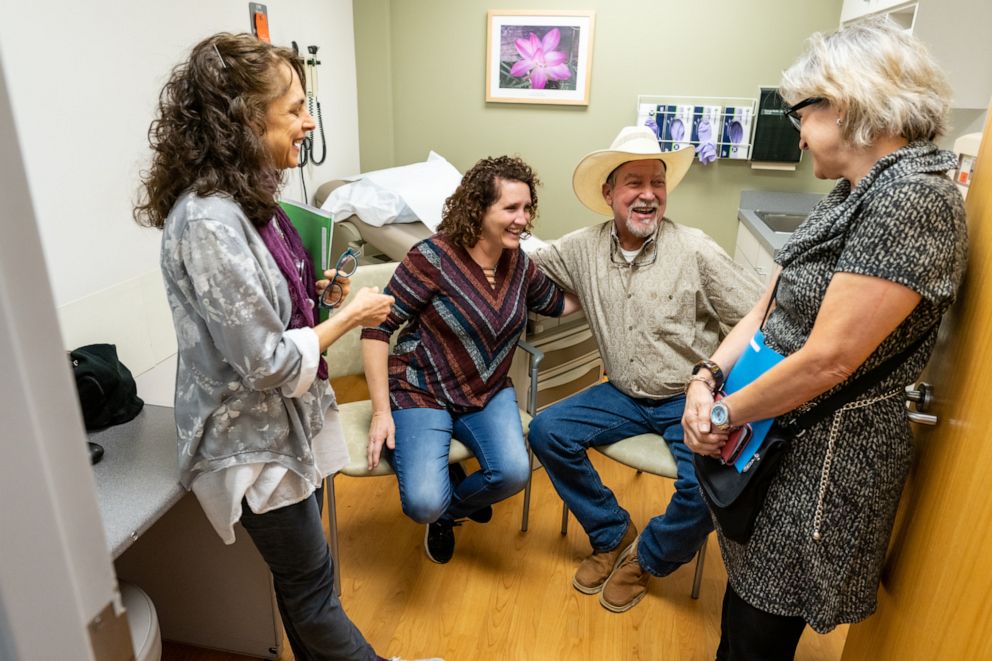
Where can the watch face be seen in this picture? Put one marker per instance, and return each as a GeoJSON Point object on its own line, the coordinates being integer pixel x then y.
{"type": "Point", "coordinates": [718, 414]}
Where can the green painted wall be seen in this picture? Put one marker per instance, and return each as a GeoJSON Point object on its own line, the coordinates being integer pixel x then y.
{"type": "Point", "coordinates": [421, 70]}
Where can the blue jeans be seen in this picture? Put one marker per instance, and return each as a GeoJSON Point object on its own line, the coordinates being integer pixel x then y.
{"type": "Point", "coordinates": [291, 541]}
{"type": "Point", "coordinates": [423, 438]}
{"type": "Point", "coordinates": [601, 415]}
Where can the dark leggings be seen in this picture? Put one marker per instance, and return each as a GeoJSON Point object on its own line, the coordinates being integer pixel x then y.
{"type": "Point", "coordinates": [750, 634]}
{"type": "Point", "coordinates": [291, 541]}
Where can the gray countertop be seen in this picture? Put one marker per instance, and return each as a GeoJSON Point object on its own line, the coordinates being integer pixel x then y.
{"type": "Point", "coordinates": [138, 479]}
{"type": "Point", "coordinates": [790, 203]}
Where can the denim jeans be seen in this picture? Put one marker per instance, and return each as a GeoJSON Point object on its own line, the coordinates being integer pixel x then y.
{"type": "Point", "coordinates": [423, 438]}
{"type": "Point", "coordinates": [561, 436]}
{"type": "Point", "coordinates": [291, 541]}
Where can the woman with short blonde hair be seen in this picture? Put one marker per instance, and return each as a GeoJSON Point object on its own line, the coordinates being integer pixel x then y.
{"type": "Point", "coordinates": [859, 295]}
{"type": "Point", "coordinates": [884, 81]}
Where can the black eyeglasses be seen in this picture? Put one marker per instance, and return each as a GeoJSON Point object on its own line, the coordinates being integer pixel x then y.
{"type": "Point", "coordinates": [333, 294]}
{"type": "Point", "coordinates": [790, 111]}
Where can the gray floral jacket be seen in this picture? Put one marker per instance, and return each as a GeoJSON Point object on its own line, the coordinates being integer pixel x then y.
{"type": "Point", "coordinates": [245, 386]}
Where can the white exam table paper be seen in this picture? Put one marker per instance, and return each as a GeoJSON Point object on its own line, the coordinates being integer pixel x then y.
{"type": "Point", "coordinates": [423, 186]}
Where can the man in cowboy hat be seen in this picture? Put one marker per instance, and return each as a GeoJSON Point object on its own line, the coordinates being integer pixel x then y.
{"type": "Point", "coordinates": [658, 297]}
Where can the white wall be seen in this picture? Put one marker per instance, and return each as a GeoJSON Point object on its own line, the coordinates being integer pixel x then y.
{"type": "Point", "coordinates": [84, 79]}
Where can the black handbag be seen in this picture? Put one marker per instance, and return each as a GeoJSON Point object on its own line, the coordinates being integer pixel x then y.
{"type": "Point", "coordinates": [107, 392]}
{"type": "Point", "coordinates": [736, 498]}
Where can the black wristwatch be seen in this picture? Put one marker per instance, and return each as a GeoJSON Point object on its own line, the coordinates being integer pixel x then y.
{"type": "Point", "coordinates": [714, 370]}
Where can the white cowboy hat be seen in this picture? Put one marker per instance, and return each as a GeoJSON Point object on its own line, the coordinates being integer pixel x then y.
{"type": "Point", "coordinates": [633, 143]}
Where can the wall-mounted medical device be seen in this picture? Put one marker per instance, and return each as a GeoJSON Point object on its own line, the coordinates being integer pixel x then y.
{"type": "Point", "coordinates": [258, 14]}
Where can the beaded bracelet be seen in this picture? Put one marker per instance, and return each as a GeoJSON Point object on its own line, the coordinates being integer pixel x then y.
{"type": "Point", "coordinates": [701, 379]}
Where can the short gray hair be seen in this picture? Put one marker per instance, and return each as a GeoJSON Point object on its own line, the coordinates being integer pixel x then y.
{"type": "Point", "coordinates": [882, 80]}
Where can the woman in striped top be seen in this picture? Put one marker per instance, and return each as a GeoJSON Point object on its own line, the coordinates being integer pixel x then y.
{"type": "Point", "coordinates": [462, 298]}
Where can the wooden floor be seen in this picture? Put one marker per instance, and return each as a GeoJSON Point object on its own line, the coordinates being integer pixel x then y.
{"type": "Point", "coordinates": [507, 595]}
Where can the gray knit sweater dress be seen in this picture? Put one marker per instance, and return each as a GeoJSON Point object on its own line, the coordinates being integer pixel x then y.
{"type": "Point", "coordinates": [904, 222]}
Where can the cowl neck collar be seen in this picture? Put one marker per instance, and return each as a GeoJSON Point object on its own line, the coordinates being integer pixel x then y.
{"type": "Point", "coordinates": [832, 216]}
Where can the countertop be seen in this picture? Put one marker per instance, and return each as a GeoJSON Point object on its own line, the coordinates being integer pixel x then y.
{"type": "Point", "coordinates": [138, 479]}
{"type": "Point", "coordinates": [791, 203]}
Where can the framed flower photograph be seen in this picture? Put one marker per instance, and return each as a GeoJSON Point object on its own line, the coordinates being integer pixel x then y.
{"type": "Point", "coordinates": [539, 56]}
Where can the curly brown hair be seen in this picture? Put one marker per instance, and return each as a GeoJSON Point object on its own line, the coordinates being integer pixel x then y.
{"type": "Point", "coordinates": [461, 220]}
{"type": "Point", "coordinates": [207, 135]}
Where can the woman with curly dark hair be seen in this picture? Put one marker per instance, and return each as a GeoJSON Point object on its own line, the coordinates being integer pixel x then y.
{"type": "Point", "coordinates": [256, 419]}
{"type": "Point", "coordinates": [463, 295]}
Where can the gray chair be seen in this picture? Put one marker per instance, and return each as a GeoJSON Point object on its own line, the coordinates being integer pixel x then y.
{"type": "Point", "coordinates": [646, 453]}
{"type": "Point", "coordinates": [344, 358]}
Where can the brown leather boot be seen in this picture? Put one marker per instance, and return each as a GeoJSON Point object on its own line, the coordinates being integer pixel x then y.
{"type": "Point", "coordinates": [595, 569]}
{"type": "Point", "coordinates": [627, 585]}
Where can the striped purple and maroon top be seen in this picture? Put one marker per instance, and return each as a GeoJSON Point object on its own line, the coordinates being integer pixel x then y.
{"type": "Point", "coordinates": [455, 350]}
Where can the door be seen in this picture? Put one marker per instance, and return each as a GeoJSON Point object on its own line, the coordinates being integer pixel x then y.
{"type": "Point", "coordinates": [58, 593]}
{"type": "Point", "coordinates": [934, 602]}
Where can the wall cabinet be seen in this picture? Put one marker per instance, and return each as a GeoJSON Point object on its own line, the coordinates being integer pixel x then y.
{"type": "Point", "coordinates": [954, 30]}
{"type": "Point", "coordinates": [855, 9]}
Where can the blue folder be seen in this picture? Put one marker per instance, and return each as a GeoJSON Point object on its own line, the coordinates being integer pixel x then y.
{"type": "Point", "coordinates": [757, 359]}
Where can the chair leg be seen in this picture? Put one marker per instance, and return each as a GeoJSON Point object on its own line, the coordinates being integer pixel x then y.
{"type": "Point", "coordinates": [332, 529]}
{"type": "Point", "coordinates": [564, 519]}
{"type": "Point", "coordinates": [530, 478]}
{"type": "Point", "coordinates": [698, 578]}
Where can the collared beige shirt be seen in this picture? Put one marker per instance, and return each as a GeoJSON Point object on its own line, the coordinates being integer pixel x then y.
{"type": "Point", "coordinates": [654, 318]}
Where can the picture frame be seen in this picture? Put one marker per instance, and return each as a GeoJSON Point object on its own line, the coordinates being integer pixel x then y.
{"type": "Point", "coordinates": [539, 56]}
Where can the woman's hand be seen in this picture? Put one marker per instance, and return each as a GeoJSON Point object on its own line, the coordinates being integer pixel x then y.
{"type": "Point", "coordinates": [699, 436]}
{"type": "Point", "coordinates": [343, 281]}
{"type": "Point", "coordinates": [382, 430]}
{"type": "Point", "coordinates": [369, 307]}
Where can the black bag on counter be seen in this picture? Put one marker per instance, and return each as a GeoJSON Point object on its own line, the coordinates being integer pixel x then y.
{"type": "Point", "coordinates": [107, 392]}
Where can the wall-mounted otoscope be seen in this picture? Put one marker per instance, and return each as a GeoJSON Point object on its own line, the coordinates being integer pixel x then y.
{"type": "Point", "coordinates": [308, 153]}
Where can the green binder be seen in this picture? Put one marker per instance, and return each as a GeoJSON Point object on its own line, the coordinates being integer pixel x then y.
{"type": "Point", "coordinates": [315, 228]}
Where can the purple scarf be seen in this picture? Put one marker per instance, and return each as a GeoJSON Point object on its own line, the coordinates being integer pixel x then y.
{"type": "Point", "coordinates": [288, 253]}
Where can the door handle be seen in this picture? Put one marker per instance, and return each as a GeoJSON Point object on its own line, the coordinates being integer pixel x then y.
{"type": "Point", "coordinates": [922, 418]}
{"type": "Point", "coordinates": [919, 397]}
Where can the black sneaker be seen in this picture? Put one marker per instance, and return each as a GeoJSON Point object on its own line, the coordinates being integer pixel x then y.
{"type": "Point", "coordinates": [439, 541]}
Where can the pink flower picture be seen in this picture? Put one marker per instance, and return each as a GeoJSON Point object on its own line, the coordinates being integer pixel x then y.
{"type": "Point", "coordinates": [538, 57]}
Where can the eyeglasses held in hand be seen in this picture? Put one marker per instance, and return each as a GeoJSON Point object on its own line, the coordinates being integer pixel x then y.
{"type": "Point", "coordinates": [333, 294]}
{"type": "Point", "coordinates": [790, 111]}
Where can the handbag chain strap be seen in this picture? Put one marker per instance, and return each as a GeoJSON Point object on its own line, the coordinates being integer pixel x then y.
{"type": "Point", "coordinates": [828, 460]}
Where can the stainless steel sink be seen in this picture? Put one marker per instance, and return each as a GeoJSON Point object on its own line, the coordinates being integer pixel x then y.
{"type": "Point", "coordinates": [781, 223]}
